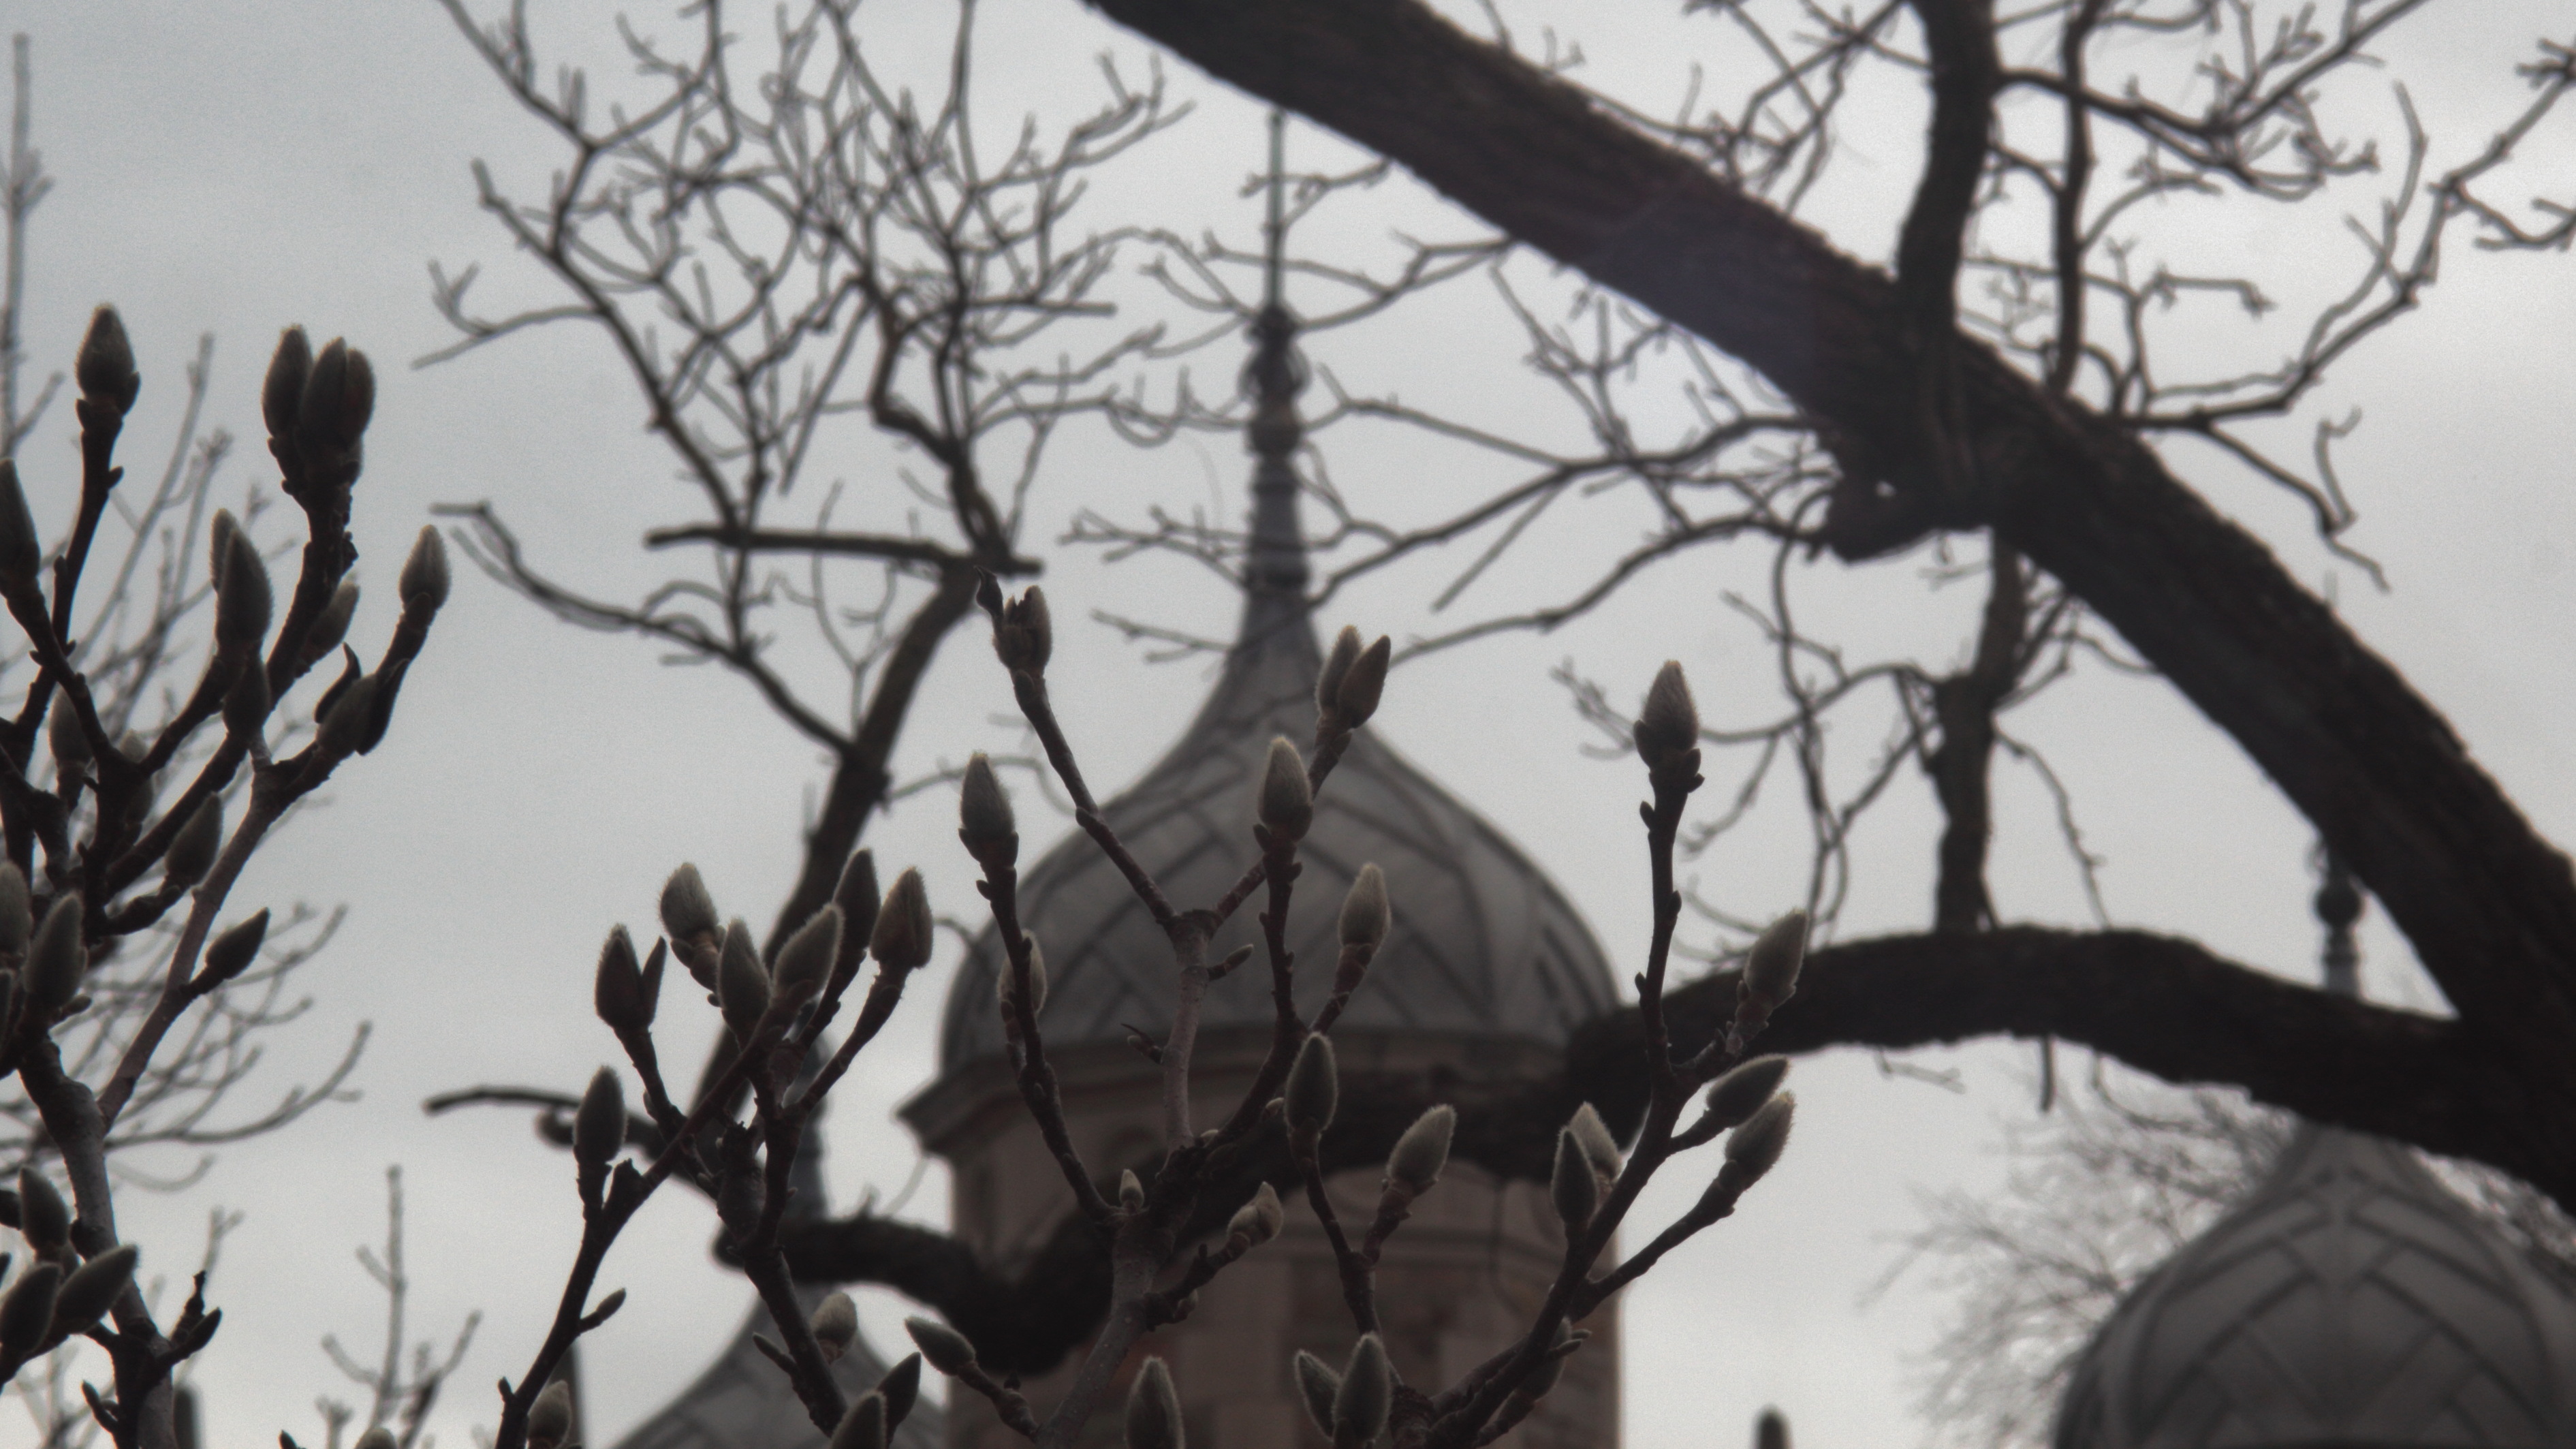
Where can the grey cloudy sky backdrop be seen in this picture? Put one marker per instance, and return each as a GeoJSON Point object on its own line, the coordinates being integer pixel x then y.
{"type": "Point", "coordinates": [233, 167]}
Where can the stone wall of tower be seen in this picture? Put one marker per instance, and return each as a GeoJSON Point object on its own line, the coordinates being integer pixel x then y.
{"type": "Point", "coordinates": [1465, 1272]}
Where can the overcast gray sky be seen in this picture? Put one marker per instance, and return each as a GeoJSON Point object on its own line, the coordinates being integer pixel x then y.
{"type": "Point", "coordinates": [233, 167]}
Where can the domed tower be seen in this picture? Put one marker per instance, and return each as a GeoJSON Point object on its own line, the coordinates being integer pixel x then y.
{"type": "Point", "coordinates": [1484, 974]}
{"type": "Point", "coordinates": [2351, 1300]}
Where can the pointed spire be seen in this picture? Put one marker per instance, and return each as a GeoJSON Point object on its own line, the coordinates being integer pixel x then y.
{"type": "Point", "coordinates": [1275, 572]}
{"type": "Point", "coordinates": [2338, 905]}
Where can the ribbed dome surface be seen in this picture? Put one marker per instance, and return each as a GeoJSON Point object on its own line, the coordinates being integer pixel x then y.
{"type": "Point", "coordinates": [1482, 944]}
{"type": "Point", "coordinates": [2351, 1301]}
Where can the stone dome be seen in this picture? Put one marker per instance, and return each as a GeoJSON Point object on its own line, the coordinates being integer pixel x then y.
{"type": "Point", "coordinates": [2352, 1301]}
{"type": "Point", "coordinates": [1483, 945]}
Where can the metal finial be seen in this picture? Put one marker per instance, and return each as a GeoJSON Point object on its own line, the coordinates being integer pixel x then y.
{"type": "Point", "coordinates": [1274, 235]}
{"type": "Point", "coordinates": [2338, 906]}
{"type": "Point", "coordinates": [1275, 574]}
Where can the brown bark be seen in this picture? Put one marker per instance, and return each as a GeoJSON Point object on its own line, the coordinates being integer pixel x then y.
{"type": "Point", "coordinates": [2489, 906]}
{"type": "Point", "coordinates": [2163, 1004]}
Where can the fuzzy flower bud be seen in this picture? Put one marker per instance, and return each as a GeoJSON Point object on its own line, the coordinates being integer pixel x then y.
{"type": "Point", "coordinates": [55, 960]}
{"type": "Point", "coordinates": [902, 939]}
{"type": "Point", "coordinates": [1337, 667]}
{"type": "Point", "coordinates": [1313, 1090]}
{"type": "Point", "coordinates": [742, 985]}
{"type": "Point", "coordinates": [1037, 986]}
{"type": "Point", "coordinates": [44, 1219]}
{"type": "Point", "coordinates": [550, 1417]}
{"type": "Point", "coordinates": [1422, 1151]}
{"type": "Point", "coordinates": [1257, 1221]}
{"type": "Point", "coordinates": [835, 1323]}
{"type": "Point", "coordinates": [901, 1389]}
{"type": "Point", "coordinates": [806, 960]}
{"type": "Point", "coordinates": [1024, 634]}
{"type": "Point", "coordinates": [1287, 803]}
{"type": "Point", "coordinates": [1365, 913]}
{"type": "Point", "coordinates": [688, 909]}
{"type": "Point", "coordinates": [92, 1289]}
{"type": "Point", "coordinates": [1593, 1136]}
{"type": "Point", "coordinates": [1735, 1097]}
{"type": "Point", "coordinates": [946, 1348]}
{"type": "Point", "coordinates": [16, 912]}
{"type": "Point", "coordinates": [339, 399]}
{"type": "Point", "coordinates": [424, 580]}
{"type": "Point", "coordinates": [192, 850]}
{"type": "Point", "coordinates": [1368, 1391]}
{"type": "Point", "coordinates": [599, 1128]}
{"type": "Point", "coordinates": [1364, 685]}
{"type": "Point", "coordinates": [105, 366]}
{"type": "Point", "coordinates": [1571, 1186]}
{"type": "Point", "coordinates": [864, 1426]}
{"type": "Point", "coordinates": [230, 953]}
{"type": "Point", "coordinates": [1756, 1146]}
{"type": "Point", "coordinates": [1668, 726]}
{"type": "Point", "coordinates": [68, 742]}
{"type": "Point", "coordinates": [28, 1310]}
{"type": "Point", "coordinates": [618, 990]}
{"type": "Point", "coordinates": [330, 626]}
{"type": "Point", "coordinates": [1154, 1409]}
{"type": "Point", "coordinates": [283, 393]}
{"type": "Point", "coordinates": [244, 602]}
{"type": "Point", "coordinates": [857, 895]}
{"type": "Point", "coordinates": [22, 551]}
{"type": "Point", "coordinates": [984, 819]}
{"type": "Point", "coordinates": [1131, 1190]}
{"type": "Point", "coordinates": [1317, 1383]}
{"type": "Point", "coordinates": [346, 724]}
{"type": "Point", "coordinates": [1771, 967]}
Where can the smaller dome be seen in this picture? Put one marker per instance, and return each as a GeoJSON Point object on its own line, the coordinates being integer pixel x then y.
{"type": "Point", "coordinates": [2351, 1301]}
{"type": "Point", "coordinates": [1483, 944]}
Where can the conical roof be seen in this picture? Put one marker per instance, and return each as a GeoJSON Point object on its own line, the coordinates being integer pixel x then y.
{"type": "Point", "coordinates": [2351, 1300]}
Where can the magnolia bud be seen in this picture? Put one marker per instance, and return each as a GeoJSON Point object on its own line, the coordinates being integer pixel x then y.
{"type": "Point", "coordinates": [28, 1310]}
{"type": "Point", "coordinates": [1771, 966]}
{"type": "Point", "coordinates": [1314, 1088]}
{"type": "Point", "coordinates": [243, 600]}
{"type": "Point", "coordinates": [1286, 803]}
{"type": "Point", "coordinates": [1037, 983]}
{"type": "Point", "coordinates": [1368, 1391]}
{"type": "Point", "coordinates": [22, 552]}
{"type": "Point", "coordinates": [900, 1388]}
{"type": "Point", "coordinates": [1337, 666]}
{"type": "Point", "coordinates": [192, 850]}
{"type": "Point", "coordinates": [283, 393]}
{"type": "Point", "coordinates": [55, 960]}
{"type": "Point", "coordinates": [68, 741]}
{"type": "Point", "coordinates": [688, 910]}
{"type": "Point", "coordinates": [91, 1290]}
{"type": "Point", "coordinates": [550, 1417]}
{"type": "Point", "coordinates": [742, 986]}
{"type": "Point", "coordinates": [902, 939]}
{"type": "Point", "coordinates": [229, 953]}
{"type": "Point", "coordinates": [1257, 1221]}
{"type": "Point", "coordinates": [1735, 1097]}
{"type": "Point", "coordinates": [835, 1323]}
{"type": "Point", "coordinates": [807, 958]}
{"type": "Point", "coordinates": [599, 1128]}
{"type": "Point", "coordinates": [1317, 1383]}
{"type": "Point", "coordinates": [857, 895]}
{"type": "Point", "coordinates": [44, 1219]}
{"type": "Point", "coordinates": [1571, 1186]}
{"type": "Point", "coordinates": [247, 703]}
{"type": "Point", "coordinates": [423, 582]}
{"type": "Point", "coordinates": [1024, 636]}
{"type": "Point", "coordinates": [1153, 1409]}
{"type": "Point", "coordinates": [17, 917]}
{"type": "Point", "coordinates": [339, 399]}
{"type": "Point", "coordinates": [331, 625]}
{"type": "Point", "coordinates": [1593, 1136]}
{"type": "Point", "coordinates": [1131, 1190]}
{"type": "Point", "coordinates": [1756, 1146]}
{"type": "Point", "coordinates": [1361, 688]}
{"type": "Point", "coordinates": [984, 810]}
{"type": "Point", "coordinates": [105, 366]}
{"type": "Point", "coordinates": [864, 1426]}
{"type": "Point", "coordinates": [346, 723]}
{"type": "Point", "coordinates": [1365, 915]}
{"type": "Point", "coordinates": [1422, 1151]}
{"type": "Point", "coordinates": [617, 990]}
{"type": "Point", "coordinates": [1669, 724]}
{"type": "Point", "coordinates": [946, 1348]}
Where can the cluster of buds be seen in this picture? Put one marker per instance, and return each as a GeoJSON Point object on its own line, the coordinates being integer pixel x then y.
{"type": "Point", "coordinates": [57, 1294]}
{"type": "Point", "coordinates": [1023, 633]}
{"type": "Point", "coordinates": [317, 409]}
{"type": "Point", "coordinates": [690, 922]}
{"type": "Point", "coordinates": [1587, 1163]}
{"type": "Point", "coordinates": [1350, 1406]}
{"type": "Point", "coordinates": [1350, 684]}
